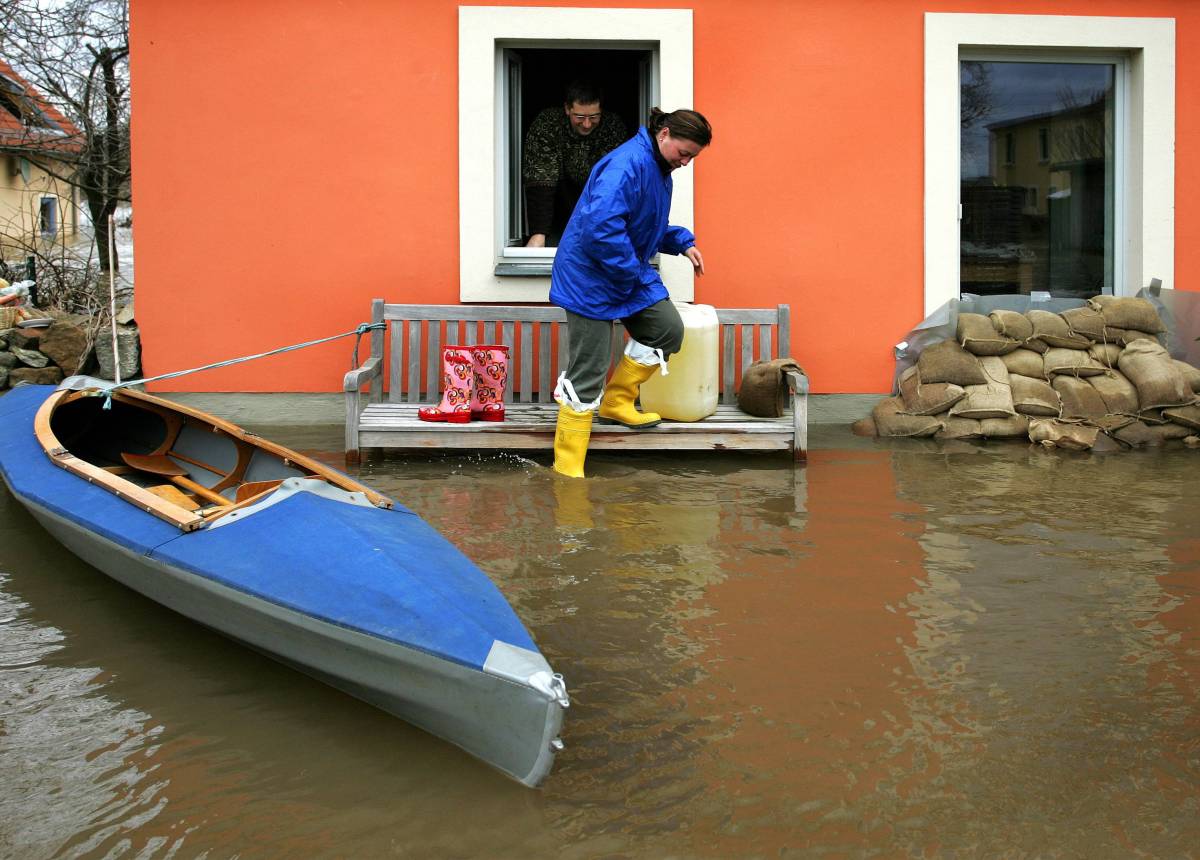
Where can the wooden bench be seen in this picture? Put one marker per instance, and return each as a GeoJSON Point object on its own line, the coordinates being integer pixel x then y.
{"type": "Point", "coordinates": [536, 337]}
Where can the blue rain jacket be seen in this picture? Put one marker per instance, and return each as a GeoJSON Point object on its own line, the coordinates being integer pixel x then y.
{"type": "Point", "coordinates": [602, 267]}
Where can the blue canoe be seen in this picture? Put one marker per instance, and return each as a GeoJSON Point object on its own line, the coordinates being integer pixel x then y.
{"type": "Point", "coordinates": [288, 556]}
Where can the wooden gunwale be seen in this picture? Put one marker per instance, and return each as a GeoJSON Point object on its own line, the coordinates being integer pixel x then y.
{"type": "Point", "coordinates": [150, 502]}
{"type": "Point", "coordinates": [130, 492]}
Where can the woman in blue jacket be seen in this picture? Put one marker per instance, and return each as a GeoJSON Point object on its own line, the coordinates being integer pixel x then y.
{"type": "Point", "coordinates": [602, 273]}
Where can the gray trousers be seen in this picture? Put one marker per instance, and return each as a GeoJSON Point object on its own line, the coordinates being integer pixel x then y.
{"type": "Point", "coordinates": [590, 342]}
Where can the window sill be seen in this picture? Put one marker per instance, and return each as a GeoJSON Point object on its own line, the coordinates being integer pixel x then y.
{"type": "Point", "coordinates": [523, 268]}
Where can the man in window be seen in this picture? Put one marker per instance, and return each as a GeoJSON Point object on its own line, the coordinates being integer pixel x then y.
{"type": "Point", "coordinates": [561, 148]}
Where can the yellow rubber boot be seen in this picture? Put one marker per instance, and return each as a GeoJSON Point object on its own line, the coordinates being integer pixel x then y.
{"type": "Point", "coordinates": [622, 391]}
{"type": "Point", "coordinates": [571, 437]}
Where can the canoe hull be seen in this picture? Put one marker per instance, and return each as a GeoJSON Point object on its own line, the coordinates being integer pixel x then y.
{"type": "Point", "coordinates": [508, 725]}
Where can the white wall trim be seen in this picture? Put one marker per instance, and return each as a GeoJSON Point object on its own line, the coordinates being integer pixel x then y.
{"type": "Point", "coordinates": [1149, 215]}
{"type": "Point", "coordinates": [479, 28]}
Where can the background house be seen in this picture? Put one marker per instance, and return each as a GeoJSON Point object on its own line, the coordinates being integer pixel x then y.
{"type": "Point", "coordinates": [37, 145]}
{"type": "Point", "coordinates": [295, 160]}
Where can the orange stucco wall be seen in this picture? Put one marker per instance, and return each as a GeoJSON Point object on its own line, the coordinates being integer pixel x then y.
{"type": "Point", "coordinates": [295, 158]}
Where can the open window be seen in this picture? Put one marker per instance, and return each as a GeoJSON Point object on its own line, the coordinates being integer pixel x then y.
{"type": "Point", "coordinates": [515, 61]}
{"type": "Point", "coordinates": [534, 78]}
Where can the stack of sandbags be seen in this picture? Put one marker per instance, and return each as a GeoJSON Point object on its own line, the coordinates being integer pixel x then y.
{"type": "Point", "coordinates": [1072, 380]}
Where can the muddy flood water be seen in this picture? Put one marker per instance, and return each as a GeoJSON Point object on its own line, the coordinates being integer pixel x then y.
{"type": "Point", "coordinates": [898, 651]}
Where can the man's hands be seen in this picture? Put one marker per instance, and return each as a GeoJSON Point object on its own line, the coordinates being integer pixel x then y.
{"type": "Point", "coordinates": [693, 254]}
{"type": "Point", "coordinates": [537, 240]}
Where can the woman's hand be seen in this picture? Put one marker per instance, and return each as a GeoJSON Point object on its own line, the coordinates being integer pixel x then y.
{"type": "Point", "coordinates": [693, 254]}
{"type": "Point", "coordinates": [537, 240]}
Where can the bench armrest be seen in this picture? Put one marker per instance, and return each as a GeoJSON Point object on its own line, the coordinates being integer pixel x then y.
{"type": "Point", "coordinates": [798, 383]}
{"type": "Point", "coordinates": [370, 369]}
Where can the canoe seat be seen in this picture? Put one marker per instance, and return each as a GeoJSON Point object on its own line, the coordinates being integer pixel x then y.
{"type": "Point", "coordinates": [161, 464]}
{"type": "Point", "coordinates": [173, 494]}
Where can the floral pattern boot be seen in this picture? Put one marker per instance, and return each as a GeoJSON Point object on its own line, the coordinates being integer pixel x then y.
{"type": "Point", "coordinates": [490, 366]}
{"type": "Point", "coordinates": [457, 388]}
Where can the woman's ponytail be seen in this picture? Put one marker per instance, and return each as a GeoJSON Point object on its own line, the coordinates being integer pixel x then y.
{"type": "Point", "coordinates": [688, 124]}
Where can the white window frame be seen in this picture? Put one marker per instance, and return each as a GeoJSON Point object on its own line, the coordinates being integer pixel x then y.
{"type": "Point", "coordinates": [1146, 220]}
{"type": "Point", "coordinates": [482, 31]}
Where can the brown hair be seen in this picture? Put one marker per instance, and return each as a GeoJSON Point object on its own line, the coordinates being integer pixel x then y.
{"type": "Point", "coordinates": [684, 123]}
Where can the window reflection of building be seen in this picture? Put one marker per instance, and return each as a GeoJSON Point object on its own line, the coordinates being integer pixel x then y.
{"type": "Point", "coordinates": [1041, 218]}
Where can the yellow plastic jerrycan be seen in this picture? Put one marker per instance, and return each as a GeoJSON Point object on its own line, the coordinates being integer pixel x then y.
{"type": "Point", "coordinates": [689, 390]}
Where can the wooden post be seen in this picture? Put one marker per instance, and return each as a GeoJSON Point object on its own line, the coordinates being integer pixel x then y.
{"type": "Point", "coordinates": [31, 275]}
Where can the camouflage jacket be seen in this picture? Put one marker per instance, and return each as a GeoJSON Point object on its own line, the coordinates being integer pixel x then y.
{"type": "Point", "coordinates": [556, 164]}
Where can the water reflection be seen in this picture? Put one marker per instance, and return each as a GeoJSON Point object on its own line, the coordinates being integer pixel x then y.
{"type": "Point", "coordinates": [902, 650]}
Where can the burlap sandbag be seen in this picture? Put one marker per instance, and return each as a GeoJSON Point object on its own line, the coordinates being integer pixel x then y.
{"type": "Point", "coordinates": [764, 391]}
{"type": "Point", "coordinates": [1079, 399]}
{"type": "Point", "coordinates": [1026, 362]}
{"type": "Point", "coordinates": [1071, 362]}
{"type": "Point", "coordinates": [1036, 345]}
{"type": "Point", "coordinates": [1112, 423]}
{"type": "Point", "coordinates": [949, 362]}
{"type": "Point", "coordinates": [1190, 374]}
{"type": "Point", "coordinates": [1126, 336]}
{"type": "Point", "coordinates": [1012, 324]}
{"type": "Point", "coordinates": [1153, 416]}
{"type": "Point", "coordinates": [1117, 392]}
{"type": "Point", "coordinates": [959, 428]}
{"type": "Point", "coordinates": [1052, 330]}
{"type": "Point", "coordinates": [1034, 396]}
{"type": "Point", "coordinates": [1139, 433]}
{"type": "Point", "coordinates": [1005, 428]}
{"type": "Point", "coordinates": [864, 427]}
{"type": "Point", "coordinates": [993, 399]}
{"type": "Point", "coordinates": [1053, 433]}
{"type": "Point", "coordinates": [1192, 441]}
{"type": "Point", "coordinates": [1188, 416]}
{"type": "Point", "coordinates": [1128, 312]}
{"type": "Point", "coordinates": [978, 337]}
{"type": "Point", "coordinates": [891, 420]}
{"type": "Point", "coordinates": [1158, 381]}
{"type": "Point", "coordinates": [932, 399]}
{"type": "Point", "coordinates": [1105, 353]}
{"type": "Point", "coordinates": [1085, 322]}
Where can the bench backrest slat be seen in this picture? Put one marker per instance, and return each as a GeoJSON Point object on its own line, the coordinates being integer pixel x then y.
{"type": "Point", "coordinates": [545, 369]}
{"type": "Point", "coordinates": [416, 337]}
{"type": "Point", "coordinates": [525, 366]}
{"type": "Point", "coordinates": [433, 369]}
{"type": "Point", "coordinates": [728, 342]}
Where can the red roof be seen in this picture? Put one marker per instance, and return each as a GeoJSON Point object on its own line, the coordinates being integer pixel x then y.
{"type": "Point", "coordinates": [28, 121]}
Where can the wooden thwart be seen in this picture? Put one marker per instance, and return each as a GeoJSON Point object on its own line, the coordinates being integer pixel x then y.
{"type": "Point", "coordinates": [161, 464]}
{"type": "Point", "coordinates": [537, 341]}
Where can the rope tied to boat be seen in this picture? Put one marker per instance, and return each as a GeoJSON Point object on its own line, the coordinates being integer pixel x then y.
{"type": "Point", "coordinates": [359, 331]}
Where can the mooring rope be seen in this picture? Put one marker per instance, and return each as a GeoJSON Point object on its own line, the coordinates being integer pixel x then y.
{"type": "Point", "coordinates": [360, 331]}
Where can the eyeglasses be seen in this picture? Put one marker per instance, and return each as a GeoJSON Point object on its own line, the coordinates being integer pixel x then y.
{"type": "Point", "coordinates": [581, 117]}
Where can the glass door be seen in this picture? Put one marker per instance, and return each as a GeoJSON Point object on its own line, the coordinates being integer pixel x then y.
{"type": "Point", "coordinates": [1038, 173]}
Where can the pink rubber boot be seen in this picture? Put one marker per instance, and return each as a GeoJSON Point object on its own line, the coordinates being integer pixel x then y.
{"type": "Point", "coordinates": [457, 388]}
{"type": "Point", "coordinates": [490, 365]}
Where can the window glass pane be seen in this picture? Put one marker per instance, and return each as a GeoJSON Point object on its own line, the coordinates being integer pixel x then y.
{"type": "Point", "coordinates": [1037, 175]}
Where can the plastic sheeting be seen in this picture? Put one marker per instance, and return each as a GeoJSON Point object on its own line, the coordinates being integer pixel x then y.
{"type": "Point", "coordinates": [1180, 312]}
{"type": "Point", "coordinates": [942, 324]}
